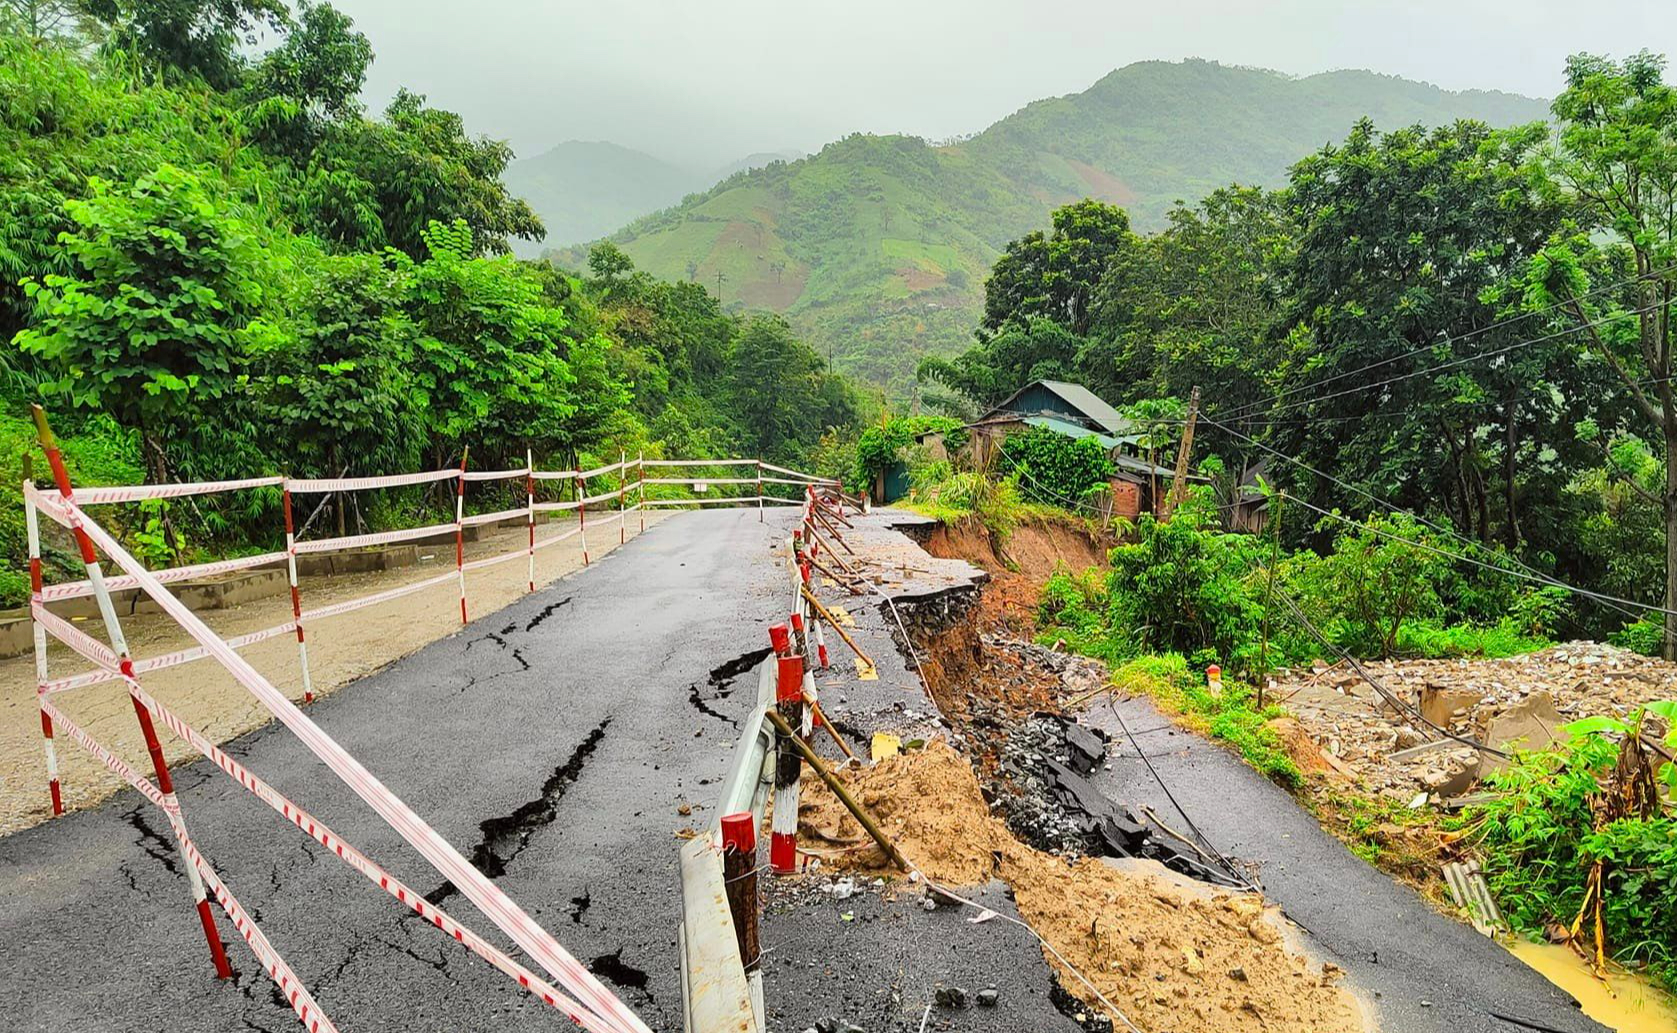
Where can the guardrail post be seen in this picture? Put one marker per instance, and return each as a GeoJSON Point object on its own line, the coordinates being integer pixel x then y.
{"type": "Point", "coordinates": [789, 702]}
{"type": "Point", "coordinates": [759, 491]}
{"type": "Point", "coordinates": [296, 593]}
{"type": "Point", "coordinates": [622, 486]}
{"type": "Point", "coordinates": [32, 522]}
{"type": "Point", "coordinates": [739, 872]}
{"type": "Point", "coordinates": [581, 483]}
{"type": "Point", "coordinates": [119, 646]}
{"type": "Point", "coordinates": [640, 484]}
{"type": "Point", "coordinates": [460, 530]}
{"type": "Point", "coordinates": [530, 507]}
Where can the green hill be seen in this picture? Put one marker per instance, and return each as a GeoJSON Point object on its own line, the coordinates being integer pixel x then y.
{"type": "Point", "coordinates": [877, 247]}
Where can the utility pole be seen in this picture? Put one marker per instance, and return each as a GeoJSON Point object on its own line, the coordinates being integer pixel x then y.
{"type": "Point", "coordinates": [718, 287]}
{"type": "Point", "coordinates": [1179, 485]}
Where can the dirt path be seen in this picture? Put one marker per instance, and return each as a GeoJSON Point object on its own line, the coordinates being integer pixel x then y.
{"type": "Point", "coordinates": [341, 649]}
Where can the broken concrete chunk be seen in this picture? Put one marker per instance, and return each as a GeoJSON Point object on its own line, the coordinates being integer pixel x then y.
{"type": "Point", "coordinates": [951, 997]}
{"type": "Point", "coordinates": [988, 997]}
{"type": "Point", "coordinates": [1531, 724]}
{"type": "Point", "coordinates": [1441, 705]}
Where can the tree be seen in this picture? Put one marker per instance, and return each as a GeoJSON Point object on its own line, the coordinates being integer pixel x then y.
{"type": "Point", "coordinates": [1617, 158]}
{"type": "Point", "coordinates": [780, 392]}
{"type": "Point", "coordinates": [375, 184]}
{"type": "Point", "coordinates": [1054, 275]}
{"type": "Point", "coordinates": [337, 385]}
{"type": "Point", "coordinates": [1405, 238]}
{"type": "Point", "coordinates": [310, 81]}
{"type": "Point", "coordinates": [192, 37]}
{"type": "Point", "coordinates": [1021, 351]}
{"type": "Point", "coordinates": [159, 315]}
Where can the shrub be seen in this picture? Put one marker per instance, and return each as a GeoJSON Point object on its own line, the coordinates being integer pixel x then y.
{"type": "Point", "coordinates": [1056, 470]}
{"type": "Point", "coordinates": [1642, 636]}
{"type": "Point", "coordinates": [1229, 715]}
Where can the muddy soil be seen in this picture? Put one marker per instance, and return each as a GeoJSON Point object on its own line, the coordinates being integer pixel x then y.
{"type": "Point", "coordinates": [341, 649]}
{"type": "Point", "coordinates": [1159, 952]}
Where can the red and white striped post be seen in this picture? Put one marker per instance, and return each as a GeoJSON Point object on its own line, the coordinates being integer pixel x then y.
{"type": "Point", "coordinates": [125, 663]}
{"type": "Point", "coordinates": [789, 701]}
{"type": "Point", "coordinates": [32, 522]}
{"type": "Point", "coordinates": [296, 593]}
{"type": "Point", "coordinates": [759, 491]}
{"type": "Point", "coordinates": [640, 483]}
{"type": "Point", "coordinates": [582, 511]}
{"type": "Point", "coordinates": [739, 880]}
{"type": "Point", "coordinates": [460, 529]}
{"type": "Point", "coordinates": [530, 509]}
{"type": "Point", "coordinates": [820, 637]}
{"type": "Point", "coordinates": [802, 644]}
{"type": "Point", "coordinates": [622, 487]}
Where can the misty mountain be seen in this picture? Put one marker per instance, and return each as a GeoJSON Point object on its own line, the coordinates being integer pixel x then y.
{"type": "Point", "coordinates": [877, 247]}
{"type": "Point", "coordinates": [585, 189]}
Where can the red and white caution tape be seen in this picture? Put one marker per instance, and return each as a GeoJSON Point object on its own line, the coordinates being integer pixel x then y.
{"type": "Point", "coordinates": [140, 492]}
{"type": "Point", "coordinates": [542, 543]}
{"type": "Point", "coordinates": [490, 561]}
{"type": "Point", "coordinates": [320, 833]}
{"type": "Point", "coordinates": [497, 475]}
{"type": "Point", "coordinates": [598, 470]}
{"type": "Point", "coordinates": [484, 894]}
{"type": "Point", "coordinates": [80, 589]}
{"type": "Point", "coordinates": [699, 462]}
{"type": "Point", "coordinates": [395, 480]}
{"type": "Point", "coordinates": [296, 994]}
{"type": "Point", "coordinates": [351, 605]}
{"type": "Point", "coordinates": [72, 636]}
{"type": "Point", "coordinates": [157, 663]}
{"type": "Point", "coordinates": [520, 514]}
{"type": "Point", "coordinates": [360, 541]}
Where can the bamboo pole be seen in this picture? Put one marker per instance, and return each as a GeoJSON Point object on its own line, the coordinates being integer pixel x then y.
{"type": "Point", "coordinates": [832, 731]}
{"type": "Point", "coordinates": [828, 617]}
{"type": "Point", "coordinates": [890, 849]}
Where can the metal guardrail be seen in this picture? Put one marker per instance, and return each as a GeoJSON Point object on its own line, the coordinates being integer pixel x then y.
{"type": "Point", "coordinates": [718, 995]}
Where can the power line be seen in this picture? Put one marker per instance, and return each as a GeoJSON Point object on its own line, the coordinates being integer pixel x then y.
{"type": "Point", "coordinates": [1237, 413]}
{"type": "Point", "coordinates": [1531, 573]}
{"type": "Point", "coordinates": [1452, 364]}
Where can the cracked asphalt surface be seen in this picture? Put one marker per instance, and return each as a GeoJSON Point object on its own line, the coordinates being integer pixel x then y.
{"type": "Point", "coordinates": [552, 742]}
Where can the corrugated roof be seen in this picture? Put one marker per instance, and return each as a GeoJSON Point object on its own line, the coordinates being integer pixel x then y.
{"type": "Point", "coordinates": [1072, 430]}
{"type": "Point", "coordinates": [1080, 399]}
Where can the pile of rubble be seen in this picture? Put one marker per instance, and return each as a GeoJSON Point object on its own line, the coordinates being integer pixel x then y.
{"type": "Point", "coordinates": [1518, 701]}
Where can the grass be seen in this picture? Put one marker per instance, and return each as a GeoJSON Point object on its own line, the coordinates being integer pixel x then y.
{"type": "Point", "coordinates": [1228, 715]}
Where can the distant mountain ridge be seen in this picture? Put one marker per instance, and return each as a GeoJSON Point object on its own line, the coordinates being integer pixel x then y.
{"type": "Point", "coordinates": [585, 189]}
{"type": "Point", "coordinates": [877, 247]}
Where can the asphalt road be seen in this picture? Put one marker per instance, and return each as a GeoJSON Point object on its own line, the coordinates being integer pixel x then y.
{"type": "Point", "coordinates": [552, 742]}
{"type": "Point", "coordinates": [1421, 971]}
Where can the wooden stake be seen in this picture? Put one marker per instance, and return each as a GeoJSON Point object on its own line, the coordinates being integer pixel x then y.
{"type": "Point", "coordinates": [843, 794]}
{"type": "Point", "coordinates": [1179, 484]}
{"type": "Point", "coordinates": [828, 617]}
{"type": "Point", "coordinates": [819, 716]}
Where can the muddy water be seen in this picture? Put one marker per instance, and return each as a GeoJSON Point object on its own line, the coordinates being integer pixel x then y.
{"type": "Point", "coordinates": [1625, 1003]}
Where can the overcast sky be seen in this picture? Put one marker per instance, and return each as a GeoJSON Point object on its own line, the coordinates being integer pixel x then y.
{"type": "Point", "coordinates": [705, 81]}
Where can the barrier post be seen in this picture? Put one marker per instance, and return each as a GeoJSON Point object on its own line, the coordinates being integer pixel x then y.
{"type": "Point", "coordinates": [125, 663]}
{"type": "Point", "coordinates": [802, 644]}
{"type": "Point", "coordinates": [789, 703]}
{"type": "Point", "coordinates": [759, 491]}
{"type": "Point", "coordinates": [460, 529]}
{"type": "Point", "coordinates": [640, 483]}
{"type": "Point", "coordinates": [530, 508]}
{"type": "Point", "coordinates": [739, 878]}
{"type": "Point", "coordinates": [582, 511]}
{"type": "Point", "coordinates": [296, 594]}
{"type": "Point", "coordinates": [32, 522]}
{"type": "Point", "coordinates": [622, 486]}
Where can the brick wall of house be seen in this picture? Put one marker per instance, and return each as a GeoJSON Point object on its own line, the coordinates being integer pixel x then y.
{"type": "Point", "coordinates": [1126, 499]}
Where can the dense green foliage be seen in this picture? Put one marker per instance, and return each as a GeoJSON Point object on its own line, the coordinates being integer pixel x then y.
{"type": "Point", "coordinates": [1186, 586]}
{"type": "Point", "coordinates": [1464, 323]}
{"type": "Point", "coordinates": [1541, 837]}
{"type": "Point", "coordinates": [1056, 470]}
{"type": "Point", "coordinates": [877, 247]}
{"type": "Point", "coordinates": [216, 265]}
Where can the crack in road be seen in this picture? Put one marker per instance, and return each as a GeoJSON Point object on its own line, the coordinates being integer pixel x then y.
{"type": "Point", "coordinates": [546, 612]}
{"type": "Point", "coordinates": [579, 905]}
{"type": "Point", "coordinates": [721, 682]}
{"type": "Point", "coordinates": [506, 836]}
{"type": "Point", "coordinates": [163, 851]}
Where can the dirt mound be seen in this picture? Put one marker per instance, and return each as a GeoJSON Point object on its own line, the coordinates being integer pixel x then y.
{"type": "Point", "coordinates": [927, 801]}
{"type": "Point", "coordinates": [1160, 952]}
{"type": "Point", "coordinates": [1019, 568]}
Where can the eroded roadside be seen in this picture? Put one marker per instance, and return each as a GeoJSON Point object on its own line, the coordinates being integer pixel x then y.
{"type": "Point", "coordinates": [1002, 706]}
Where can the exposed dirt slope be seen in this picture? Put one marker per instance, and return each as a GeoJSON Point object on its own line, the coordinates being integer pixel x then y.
{"type": "Point", "coordinates": [1170, 958]}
